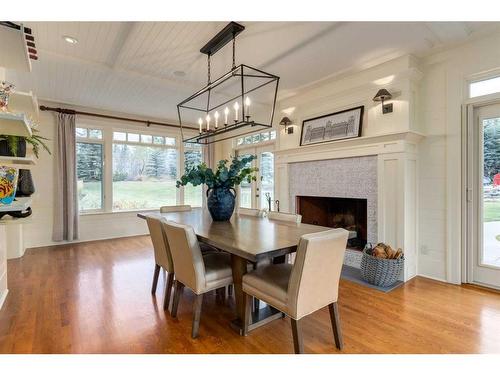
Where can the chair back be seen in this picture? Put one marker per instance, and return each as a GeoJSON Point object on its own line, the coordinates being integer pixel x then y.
{"type": "Point", "coordinates": [186, 254]}
{"type": "Point", "coordinates": [284, 216]}
{"type": "Point", "coordinates": [160, 244]}
{"type": "Point", "coordinates": [248, 211]}
{"type": "Point", "coordinates": [179, 208]}
{"type": "Point", "coordinates": [314, 281]}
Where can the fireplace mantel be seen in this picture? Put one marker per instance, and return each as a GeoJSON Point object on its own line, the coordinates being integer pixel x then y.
{"type": "Point", "coordinates": [361, 146]}
{"type": "Point", "coordinates": [397, 179]}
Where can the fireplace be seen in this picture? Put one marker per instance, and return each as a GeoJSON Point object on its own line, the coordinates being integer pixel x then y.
{"type": "Point", "coordinates": [347, 213]}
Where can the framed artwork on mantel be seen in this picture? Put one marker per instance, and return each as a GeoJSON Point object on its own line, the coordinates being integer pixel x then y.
{"type": "Point", "coordinates": [335, 126]}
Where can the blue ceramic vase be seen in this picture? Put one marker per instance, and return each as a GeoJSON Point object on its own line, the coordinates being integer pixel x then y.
{"type": "Point", "coordinates": [220, 203]}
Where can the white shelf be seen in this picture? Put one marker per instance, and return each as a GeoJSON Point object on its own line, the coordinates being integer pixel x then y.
{"type": "Point", "coordinates": [11, 160]}
{"type": "Point", "coordinates": [14, 51]}
{"type": "Point", "coordinates": [24, 102]}
{"type": "Point", "coordinates": [14, 124]}
{"type": "Point", "coordinates": [19, 204]}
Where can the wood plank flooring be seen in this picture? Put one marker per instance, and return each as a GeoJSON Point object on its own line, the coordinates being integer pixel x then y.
{"type": "Point", "coordinates": [95, 298]}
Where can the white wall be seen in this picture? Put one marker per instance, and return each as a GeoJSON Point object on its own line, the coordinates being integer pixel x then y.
{"type": "Point", "coordinates": [443, 92]}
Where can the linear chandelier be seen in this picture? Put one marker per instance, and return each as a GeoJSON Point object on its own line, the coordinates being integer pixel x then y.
{"type": "Point", "coordinates": [244, 97]}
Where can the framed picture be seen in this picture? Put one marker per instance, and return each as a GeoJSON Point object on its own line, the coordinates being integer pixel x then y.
{"type": "Point", "coordinates": [332, 127]}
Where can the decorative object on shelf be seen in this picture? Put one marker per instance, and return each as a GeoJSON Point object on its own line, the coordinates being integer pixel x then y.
{"type": "Point", "coordinates": [335, 126]}
{"type": "Point", "coordinates": [381, 96]}
{"type": "Point", "coordinates": [13, 145]}
{"type": "Point", "coordinates": [221, 193]}
{"type": "Point", "coordinates": [285, 121]}
{"type": "Point", "coordinates": [243, 97]}
{"type": "Point", "coordinates": [28, 37]}
{"type": "Point", "coordinates": [8, 184]}
{"type": "Point", "coordinates": [5, 90]}
{"type": "Point", "coordinates": [25, 183]}
{"type": "Point", "coordinates": [381, 265]}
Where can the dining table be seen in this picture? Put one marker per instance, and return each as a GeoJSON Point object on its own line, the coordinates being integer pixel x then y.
{"type": "Point", "coordinates": [249, 239]}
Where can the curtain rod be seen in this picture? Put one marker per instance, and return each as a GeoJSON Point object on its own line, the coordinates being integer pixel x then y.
{"type": "Point", "coordinates": [74, 112]}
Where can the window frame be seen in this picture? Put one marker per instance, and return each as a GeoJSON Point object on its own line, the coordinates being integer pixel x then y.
{"type": "Point", "coordinates": [243, 146]}
{"type": "Point", "coordinates": [107, 141]}
{"type": "Point", "coordinates": [101, 142]}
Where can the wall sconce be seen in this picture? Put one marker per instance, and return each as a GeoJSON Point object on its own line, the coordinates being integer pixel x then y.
{"type": "Point", "coordinates": [382, 95]}
{"type": "Point", "coordinates": [286, 122]}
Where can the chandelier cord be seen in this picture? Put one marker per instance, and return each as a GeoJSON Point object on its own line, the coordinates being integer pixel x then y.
{"type": "Point", "coordinates": [208, 69]}
{"type": "Point", "coordinates": [234, 51]}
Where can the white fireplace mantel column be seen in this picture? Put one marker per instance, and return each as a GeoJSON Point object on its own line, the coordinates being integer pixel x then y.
{"type": "Point", "coordinates": [397, 164]}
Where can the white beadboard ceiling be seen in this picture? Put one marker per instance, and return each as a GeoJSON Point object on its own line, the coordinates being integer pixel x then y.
{"type": "Point", "coordinates": [129, 66]}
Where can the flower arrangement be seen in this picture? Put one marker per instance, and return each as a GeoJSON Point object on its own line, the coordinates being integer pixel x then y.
{"type": "Point", "coordinates": [223, 177]}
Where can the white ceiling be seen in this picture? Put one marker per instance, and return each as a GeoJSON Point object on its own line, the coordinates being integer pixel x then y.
{"type": "Point", "coordinates": [129, 66]}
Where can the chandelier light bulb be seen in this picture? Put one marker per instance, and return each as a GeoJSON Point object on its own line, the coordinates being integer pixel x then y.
{"type": "Point", "coordinates": [216, 116]}
{"type": "Point", "coordinates": [226, 113]}
{"type": "Point", "coordinates": [236, 108]}
{"type": "Point", "coordinates": [208, 122]}
{"type": "Point", "coordinates": [200, 122]}
{"type": "Point", "coordinates": [247, 106]}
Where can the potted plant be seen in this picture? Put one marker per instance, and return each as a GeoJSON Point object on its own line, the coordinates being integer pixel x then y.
{"type": "Point", "coordinates": [221, 193]}
{"type": "Point", "coordinates": [14, 145]}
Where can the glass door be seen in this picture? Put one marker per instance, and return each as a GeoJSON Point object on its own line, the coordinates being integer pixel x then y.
{"type": "Point", "coordinates": [259, 194]}
{"type": "Point", "coordinates": [484, 252]}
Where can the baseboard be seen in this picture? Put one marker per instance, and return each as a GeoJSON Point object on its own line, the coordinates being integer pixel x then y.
{"type": "Point", "coordinates": [433, 278]}
{"type": "Point", "coordinates": [3, 297]}
{"type": "Point", "coordinates": [63, 243]}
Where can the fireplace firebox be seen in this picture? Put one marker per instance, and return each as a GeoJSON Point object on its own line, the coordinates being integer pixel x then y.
{"type": "Point", "coordinates": [347, 213]}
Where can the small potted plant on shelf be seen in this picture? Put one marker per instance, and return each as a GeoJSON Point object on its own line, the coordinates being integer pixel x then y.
{"type": "Point", "coordinates": [221, 193]}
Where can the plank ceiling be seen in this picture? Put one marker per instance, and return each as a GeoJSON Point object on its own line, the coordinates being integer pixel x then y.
{"type": "Point", "coordinates": [129, 66]}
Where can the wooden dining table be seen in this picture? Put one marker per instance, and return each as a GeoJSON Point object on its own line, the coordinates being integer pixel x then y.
{"type": "Point", "coordinates": [248, 239]}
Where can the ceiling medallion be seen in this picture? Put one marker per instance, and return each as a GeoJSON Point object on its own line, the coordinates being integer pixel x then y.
{"type": "Point", "coordinates": [244, 97]}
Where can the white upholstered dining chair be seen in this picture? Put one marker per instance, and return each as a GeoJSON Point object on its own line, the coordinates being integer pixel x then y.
{"type": "Point", "coordinates": [308, 285]}
{"type": "Point", "coordinates": [199, 272]}
{"type": "Point", "coordinates": [178, 208]}
{"type": "Point", "coordinates": [284, 216]}
{"type": "Point", "coordinates": [163, 258]}
{"type": "Point", "coordinates": [249, 211]}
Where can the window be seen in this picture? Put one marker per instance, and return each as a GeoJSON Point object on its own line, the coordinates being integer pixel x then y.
{"type": "Point", "coordinates": [193, 156]}
{"type": "Point", "coordinates": [484, 87]}
{"type": "Point", "coordinates": [256, 138]}
{"type": "Point", "coordinates": [89, 169]}
{"type": "Point", "coordinates": [144, 176]}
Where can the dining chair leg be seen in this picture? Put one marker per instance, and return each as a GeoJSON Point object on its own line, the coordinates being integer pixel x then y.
{"type": "Point", "coordinates": [256, 304]}
{"type": "Point", "coordinates": [177, 296]}
{"type": "Point", "coordinates": [168, 290]}
{"type": "Point", "coordinates": [220, 294]}
{"type": "Point", "coordinates": [248, 313]}
{"type": "Point", "coordinates": [198, 300]}
{"type": "Point", "coordinates": [297, 336]}
{"type": "Point", "coordinates": [335, 318]}
{"type": "Point", "coordinates": [155, 279]}
{"type": "Point", "coordinates": [230, 290]}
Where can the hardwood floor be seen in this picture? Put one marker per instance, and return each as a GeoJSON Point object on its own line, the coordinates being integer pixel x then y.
{"type": "Point", "coordinates": [95, 298]}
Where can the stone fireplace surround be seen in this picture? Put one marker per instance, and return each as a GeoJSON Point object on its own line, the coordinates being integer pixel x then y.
{"type": "Point", "coordinates": [382, 169]}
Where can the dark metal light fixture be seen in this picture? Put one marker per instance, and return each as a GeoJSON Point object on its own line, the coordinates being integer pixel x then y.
{"type": "Point", "coordinates": [286, 122]}
{"type": "Point", "coordinates": [243, 97]}
{"type": "Point", "coordinates": [381, 96]}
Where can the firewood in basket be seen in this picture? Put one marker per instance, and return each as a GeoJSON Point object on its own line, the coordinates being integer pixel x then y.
{"type": "Point", "coordinates": [399, 253]}
{"type": "Point", "coordinates": [379, 252]}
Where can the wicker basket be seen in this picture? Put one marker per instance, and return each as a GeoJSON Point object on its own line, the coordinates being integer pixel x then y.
{"type": "Point", "coordinates": [379, 271]}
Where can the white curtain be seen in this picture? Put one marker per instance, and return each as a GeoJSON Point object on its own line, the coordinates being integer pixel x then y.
{"type": "Point", "coordinates": [65, 189]}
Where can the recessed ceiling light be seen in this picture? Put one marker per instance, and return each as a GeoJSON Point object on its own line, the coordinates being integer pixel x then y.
{"type": "Point", "coordinates": [180, 73]}
{"type": "Point", "coordinates": [70, 39]}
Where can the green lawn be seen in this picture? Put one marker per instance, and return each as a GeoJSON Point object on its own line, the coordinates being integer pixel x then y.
{"type": "Point", "coordinates": [129, 195]}
{"type": "Point", "coordinates": [492, 211]}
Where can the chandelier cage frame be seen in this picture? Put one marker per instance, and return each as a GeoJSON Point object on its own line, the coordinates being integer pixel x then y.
{"type": "Point", "coordinates": [202, 103]}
